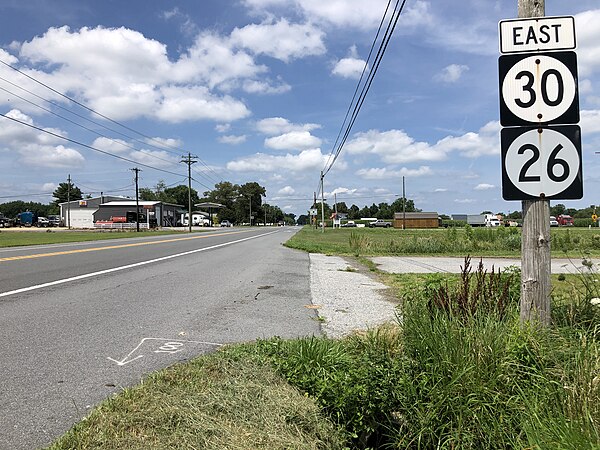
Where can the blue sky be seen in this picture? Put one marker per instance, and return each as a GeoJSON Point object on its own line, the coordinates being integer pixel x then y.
{"type": "Point", "coordinates": [258, 90]}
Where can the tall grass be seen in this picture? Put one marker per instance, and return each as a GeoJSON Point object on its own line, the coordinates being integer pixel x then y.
{"type": "Point", "coordinates": [455, 377]}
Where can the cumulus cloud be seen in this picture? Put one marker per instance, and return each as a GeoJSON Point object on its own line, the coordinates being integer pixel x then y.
{"type": "Point", "coordinates": [125, 75]}
{"type": "Point", "coordinates": [451, 73]}
{"type": "Point", "coordinates": [588, 42]}
{"type": "Point", "coordinates": [351, 66]}
{"type": "Point", "coordinates": [278, 125]}
{"type": "Point", "coordinates": [286, 191]}
{"type": "Point", "coordinates": [340, 191]}
{"type": "Point", "coordinates": [294, 140]}
{"type": "Point", "coordinates": [484, 187]}
{"type": "Point", "coordinates": [590, 121]}
{"type": "Point", "coordinates": [155, 158]}
{"type": "Point", "coordinates": [306, 160]}
{"type": "Point", "coordinates": [281, 40]}
{"type": "Point", "coordinates": [232, 139]}
{"type": "Point", "coordinates": [222, 127]}
{"type": "Point", "coordinates": [385, 173]}
{"type": "Point", "coordinates": [440, 190]}
{"type": "Point", "coordinates": [35, 148]}
{"type": "Point", "coordinates": [464, 200]}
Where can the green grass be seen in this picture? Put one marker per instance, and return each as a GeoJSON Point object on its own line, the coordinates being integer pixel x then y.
{"type": "Point", "coordinates": [448, 242]}
{"type": "Point", "coordinates": [19, 238]}
{"type": "Point", "coordinates": [225, 401]}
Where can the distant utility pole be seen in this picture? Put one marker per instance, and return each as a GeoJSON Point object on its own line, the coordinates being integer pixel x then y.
{"type": "Point", "coordinates": [335, 205]}
{"type": "Point", "coordinates": [137, 199]}
{"type": "Point", "coordinates": [535, 238]}
{"type": "Point", "coordinates": [322, 205]}
{"type": "Point", "coordinates": [189, 160]}
{"type": "Point", "coordinates": [315, 208]}
{"type": "Point", "coordinates": [69, 201]}
{"type": "Point", "coordinates": [403, 205]}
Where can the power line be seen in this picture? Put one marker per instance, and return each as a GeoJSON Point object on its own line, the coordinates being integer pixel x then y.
{"type": "Point", "coordinates": [86, 145]}
{"type": "Point", "coordinates": [367, 85]}
{"type": "Point", "coordinates": [161, 145]}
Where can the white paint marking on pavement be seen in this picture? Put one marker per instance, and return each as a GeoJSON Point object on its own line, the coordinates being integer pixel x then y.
{"type": "Point", "coordinates": [128, 266]}
{"type": "Point", "coordinates": [170, 346]}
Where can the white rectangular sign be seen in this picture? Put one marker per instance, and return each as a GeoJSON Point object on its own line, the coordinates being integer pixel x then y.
{"type": "Point", "coordinates": [537, 35]}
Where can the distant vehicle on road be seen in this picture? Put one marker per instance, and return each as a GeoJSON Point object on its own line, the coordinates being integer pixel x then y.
{"type": "Point", "coordinates": [280, 223]}
{"type": "Point", "coordinates": [226, 223]}
{"type": "Point", "coordinates": [553, 221]}
{"type": "Point", "coordinates": [380, 223]}
{"type": "Point", "coordinates": [349, 224]}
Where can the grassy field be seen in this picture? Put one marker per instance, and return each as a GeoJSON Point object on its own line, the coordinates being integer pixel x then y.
{"type": "Point", "coordinates": [17, 238]}
{"type": "Point", "coordinates": [446, 242]}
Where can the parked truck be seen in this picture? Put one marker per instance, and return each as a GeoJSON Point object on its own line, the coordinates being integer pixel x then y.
{"type": "Point", "coordinates": [5, 222]}
{"type": "Point", "coordinates": [27, 219]}
{"type": "Point", "coordinates": [483, 220]}
{"type": "Point", "coordinates": [564, 220]}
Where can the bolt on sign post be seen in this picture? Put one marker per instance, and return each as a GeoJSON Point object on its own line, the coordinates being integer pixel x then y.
{"type": "Point", "coordinates": [540, 141]}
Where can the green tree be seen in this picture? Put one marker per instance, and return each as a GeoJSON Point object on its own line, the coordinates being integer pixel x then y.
{"type": "Point", "coordinates": [147, 194]}
{"type": "Point", "coordinates": [179, 195]}
{"type": "Point", "coordinates": [557, 209]}
{"type": "Point", "coordinates": [65, 192]}
{"type": "Point", "coordinates": [397, 205]}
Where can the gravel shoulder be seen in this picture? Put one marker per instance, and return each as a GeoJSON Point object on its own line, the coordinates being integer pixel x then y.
{"type": "Point", "coordinates": [346, 299]}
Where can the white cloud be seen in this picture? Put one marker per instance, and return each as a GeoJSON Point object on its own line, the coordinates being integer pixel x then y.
{"type": "Point", "coordinates": [182, 104]}
{"type": "Point", "coordinates": [294, 140]}
{"type": "Point", "coordinates": [484, 187]}
{"type": "Point", "coordinates": [222, 127]}
{"type": "Point", "coordinates": [339, 191]}
{"type": "Point", "coordinates": [35, 148]}
{"type": "Point", "coordinates": [588, 42]}
{"type": "Point", "coordinates": [278, 125]}
{"type": "Point", "coordinates": [306, 160]}
{"type": "Point", "coordinates": [351, 66]}
{"type": "Point", "coordinates": [464, 200]}
{"type": "Point", "coordinates": [451, 73]}
{"type": "Point", "coordinates": [440, 190]}
{"type": "Point", "coordinates": [117, 146]}
{"type": "Point", "coordinates": [265, 87]}
{"type": "Point", "coordinates": [384, 173]}
{"type": "Point", "coordinates": [155, 158]}
{"type": "Point", "coordinates": [393, 146]}
{"type": "Point", "coordinates": [590, 121]}
{"type": "Point", "coordinates": [232, 139]}
{"type": "Point", "coordinates": [287, 190]}
{"type": "Point", "coordinates": [168, 143]}
{"type": "Point", "coordinates": [281, 40]}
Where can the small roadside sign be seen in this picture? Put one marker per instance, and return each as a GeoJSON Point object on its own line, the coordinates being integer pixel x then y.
{"type": "Point", "coordinates": [540, 34]}
{"type": "Point", "coordinates": [312, 212]}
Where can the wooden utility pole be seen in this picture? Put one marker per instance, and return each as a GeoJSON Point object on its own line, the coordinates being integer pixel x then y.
{"type": "Point", "coordinates": [137, 199]}
{"type": "Point", "coordinates": [535, 238]}
{"type": "Point", "coordinates": [69, 201]}
{"type": "Point", "coordinates": [189, 160]}
{"type": "Point", "coordinates": [322, 205]}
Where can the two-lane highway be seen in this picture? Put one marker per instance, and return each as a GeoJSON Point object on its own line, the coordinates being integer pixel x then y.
{"type": "Point", "coordinates": [80, 321]}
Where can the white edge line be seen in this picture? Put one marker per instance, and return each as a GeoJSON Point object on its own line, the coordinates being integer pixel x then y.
{"type": "Point", "coordinates": [128, 266]}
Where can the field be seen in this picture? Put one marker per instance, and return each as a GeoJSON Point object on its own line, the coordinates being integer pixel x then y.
{"type": "Point", "coordinates": [444, 241]}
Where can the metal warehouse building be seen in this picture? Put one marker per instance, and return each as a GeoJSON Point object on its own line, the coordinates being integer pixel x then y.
{"type": "Point", "coordinates": [80, 213]}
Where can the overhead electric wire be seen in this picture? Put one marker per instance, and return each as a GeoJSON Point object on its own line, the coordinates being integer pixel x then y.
{"type": "Point", "coordinates": [359, 81]}
{"type": "Point", "coordinates": [88, 146]}
{"type": "Point", "coordinates": [161, 146]}
{"type": "Point", "coordinates": [366, 86]}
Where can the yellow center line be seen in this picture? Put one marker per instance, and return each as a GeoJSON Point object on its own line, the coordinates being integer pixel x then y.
{"type": "Point", "coordinates": [113, 247]}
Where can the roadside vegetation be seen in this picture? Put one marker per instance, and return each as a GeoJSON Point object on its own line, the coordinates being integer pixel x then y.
{"type": "Point", "coordinates": [483, 241]}
{"type": "Point", "coordinates": [456, 370]}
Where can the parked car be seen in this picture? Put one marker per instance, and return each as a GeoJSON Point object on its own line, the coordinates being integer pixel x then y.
{"type": "Point", "coordinates": [42, 222]}
{"type": "Point", "coordinates": [349, 224]}
{"type": "Point", "coordinates": [55, 221]}
{"type": "Point", "coordinates": [553, 221]}
{"type": "Point", "coordinates": [226, 223]}
{"type": "Point", "coordinates": [280, 223]}
{"type": "Point", "coordinates": [380, 223]}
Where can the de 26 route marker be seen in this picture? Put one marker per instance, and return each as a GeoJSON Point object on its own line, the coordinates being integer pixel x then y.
{"type": "Point", "coordinates": [537, 92]}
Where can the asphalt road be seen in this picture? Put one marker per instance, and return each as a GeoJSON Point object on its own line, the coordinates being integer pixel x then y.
{"type": "Point", "coordinates": [79, 322]}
